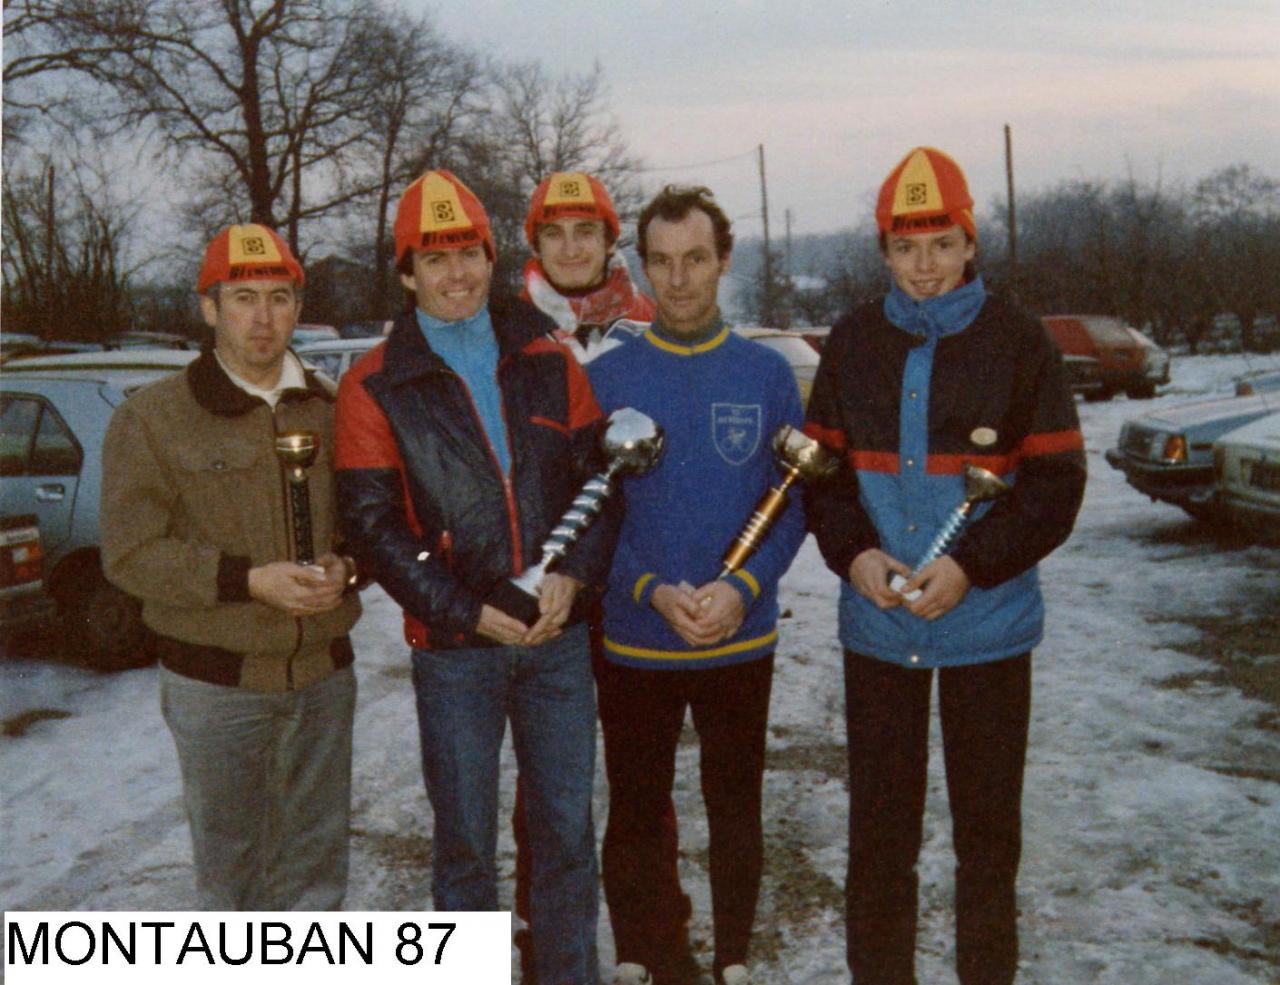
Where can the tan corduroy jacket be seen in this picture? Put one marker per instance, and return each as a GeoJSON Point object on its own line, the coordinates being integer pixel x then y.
{"type": "Point", "coordinates": [192, 498]}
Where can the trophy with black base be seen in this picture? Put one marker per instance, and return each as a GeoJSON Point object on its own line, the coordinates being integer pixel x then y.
{"type": "Point", "coordinates": [296, 451]}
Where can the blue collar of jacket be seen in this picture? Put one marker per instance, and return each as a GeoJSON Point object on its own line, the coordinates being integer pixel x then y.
{"type": "Point", "coordinates": [409, 355]}
{"type": "Point", "coordinates": [934, 318]}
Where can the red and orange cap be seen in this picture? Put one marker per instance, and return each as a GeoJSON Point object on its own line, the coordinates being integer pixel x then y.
{"type": "Point", "coordinates": [248, 252]}
{"type": "Point", "coordinates": [439, 212]}
{"type": "Point", "coordinates": [570, 195]}
{"type": "Point", "coordinates": [926, 192]}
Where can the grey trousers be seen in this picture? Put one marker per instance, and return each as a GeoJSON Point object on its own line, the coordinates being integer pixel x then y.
{"type": "Point", "coordinates": [266, 780]}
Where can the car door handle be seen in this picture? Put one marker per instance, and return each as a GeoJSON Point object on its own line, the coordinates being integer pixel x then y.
{"type": "Point", "coordinates": [52, 493]}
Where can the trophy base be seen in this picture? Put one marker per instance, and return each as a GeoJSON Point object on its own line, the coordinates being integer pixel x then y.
{"type": "Point", "coordinates": [896, 581]}
{"type": "Point", "coordinates": [514, 601]}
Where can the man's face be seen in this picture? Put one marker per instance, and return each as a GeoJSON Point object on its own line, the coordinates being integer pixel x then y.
{"type": "Point", "coordinates": [684, 270]}
{"type": "Point", "coordinates": [573, 252]}
{"type": "Point", "coordinates": [252, 322]}
{"type": "Point", "coordinates": [928, 265]}
{"type": "Point", "coordinates": [450, 284]}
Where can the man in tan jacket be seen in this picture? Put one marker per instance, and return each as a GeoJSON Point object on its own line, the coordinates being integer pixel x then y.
{"type": "Point", "coordinates": [256, 679]}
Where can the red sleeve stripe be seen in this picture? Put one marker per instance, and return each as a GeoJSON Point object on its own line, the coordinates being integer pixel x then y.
{"type": "Point", "coordinates": [874, 461]}
{"type": "Point", "coordinates": [954, 464]}
{"type": "Point", "coordinates": [1051, 443]}
{"type": "Point", "coordinates": [832, 438]}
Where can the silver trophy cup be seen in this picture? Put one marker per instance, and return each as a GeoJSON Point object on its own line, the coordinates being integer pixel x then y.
{"type": "Point", "coordinates": [980, 486]}
{"type": "Point", "coordinates": [632, 443]}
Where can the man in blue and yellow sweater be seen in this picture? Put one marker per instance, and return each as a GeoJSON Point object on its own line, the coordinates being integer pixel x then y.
{"type": "Point", "coordinates": [676, 635]}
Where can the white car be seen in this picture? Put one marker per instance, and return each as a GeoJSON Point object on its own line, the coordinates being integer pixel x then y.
{"type": "Point", "coordinates": [1246, 465]}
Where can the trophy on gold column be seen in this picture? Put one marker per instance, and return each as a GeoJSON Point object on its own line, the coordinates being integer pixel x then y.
{"type": "Point", "coordinates": [980, 486]}
{"type": "Point", "coordinates": [632, 443]}
{"type": "Point", "coordinates": [296, 451]}
{"type": "Point", "coordinates": [801, 457]}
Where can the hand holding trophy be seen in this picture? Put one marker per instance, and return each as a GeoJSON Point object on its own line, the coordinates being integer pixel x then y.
{"type": "Point", "coordinates": [632, 443]}
{"type": "Point", "coordinates": [800, 457]}
{"type": "Point", "coordinates": [980, 486]}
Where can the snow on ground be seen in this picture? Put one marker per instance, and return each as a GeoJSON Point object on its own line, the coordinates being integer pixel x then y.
{"type": "Point", "coordinates": [1152, 831]}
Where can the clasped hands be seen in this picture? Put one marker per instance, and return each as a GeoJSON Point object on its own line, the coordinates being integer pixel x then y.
{"type": "Point", "coordinates": [555, 599]}
{"type": "Point", "coordinates": [942, 583]}
{"type": "Point", "coordinates": [700, 616]}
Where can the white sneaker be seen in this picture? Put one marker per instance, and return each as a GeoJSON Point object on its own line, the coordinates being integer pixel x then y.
{"type": "Point", "coordinates": [736, 974]}
{"type": "Point", "coordinates": [630, 973]}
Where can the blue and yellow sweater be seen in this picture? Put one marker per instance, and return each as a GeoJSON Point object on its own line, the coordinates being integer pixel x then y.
{"type": "Point", "coordinates": [720, 401]}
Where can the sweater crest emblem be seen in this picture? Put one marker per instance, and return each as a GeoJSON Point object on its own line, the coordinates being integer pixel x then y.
{"type": "Point", "coordinates": [735, 430]}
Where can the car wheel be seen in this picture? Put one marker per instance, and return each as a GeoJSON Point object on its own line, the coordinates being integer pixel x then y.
{"type": "Point", "coordinates": [1144, 392]}
{"type": "Point", "coordinates": [103, 625]}
{"type": "Point", "coordinates": [1093, 396]}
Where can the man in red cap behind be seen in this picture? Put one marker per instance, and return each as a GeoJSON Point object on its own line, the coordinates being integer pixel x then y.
{"type": "Point", "coordinates": [576, 275]}
{"type": "Point", "coordinates": [913, 387]}
{"type": "Point", "coordinates": [462, 441]}
{"type": "Point", "coordinates": [256, 680]}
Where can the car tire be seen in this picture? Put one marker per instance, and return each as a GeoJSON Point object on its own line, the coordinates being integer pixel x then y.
{"type": "Point", "coordinates": [102, 625]}
{"type": "Point", "coordinates": [1144, 392]}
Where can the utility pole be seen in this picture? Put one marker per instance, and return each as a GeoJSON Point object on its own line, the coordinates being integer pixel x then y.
{"type": "Point", "coordinates": [1013, 218]}
{"type": "Point", "coordinates": [766, 315]}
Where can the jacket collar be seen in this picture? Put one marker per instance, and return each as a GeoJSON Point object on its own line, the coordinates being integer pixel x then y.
{"type": "Point", "coordinates": [409, 355]}
{"type": "Point", "coordinates": [934, 318]}
{"type": "Point", "coordinates": [214, 391]}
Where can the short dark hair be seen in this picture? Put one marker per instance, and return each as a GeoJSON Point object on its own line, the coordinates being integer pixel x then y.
{"type": "Point", "coordinates": [675, 202]}
{"type": "Point", "coordinates": [214, 292]}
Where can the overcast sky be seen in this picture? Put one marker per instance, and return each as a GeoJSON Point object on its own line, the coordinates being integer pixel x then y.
{"type": "Point", "coordinates": [837, 91]}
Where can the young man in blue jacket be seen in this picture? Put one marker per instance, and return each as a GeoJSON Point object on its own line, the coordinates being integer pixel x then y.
{"type": "Point", "coordinates": [678, 636]}
{"type": "Point", "coordinates": [911, 388]}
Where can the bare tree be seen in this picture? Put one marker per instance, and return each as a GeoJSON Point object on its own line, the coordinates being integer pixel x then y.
{"type": "Point", "coordinates": [62, 261]}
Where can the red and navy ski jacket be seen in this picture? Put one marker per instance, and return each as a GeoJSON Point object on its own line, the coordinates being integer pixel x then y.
{"type": "Point", "coordinates": [425, 506]}
{"type": "Point", "coordinates": [905, 412]}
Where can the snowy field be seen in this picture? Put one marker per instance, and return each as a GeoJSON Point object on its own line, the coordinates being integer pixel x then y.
{"type": "Point", "coordinates": [1152, 812]}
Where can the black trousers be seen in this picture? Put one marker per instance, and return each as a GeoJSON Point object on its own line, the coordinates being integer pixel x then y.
{"type": "Point", "coordinates": [642, 712]}
{"type": "Point", "coordinates": [985, 712]}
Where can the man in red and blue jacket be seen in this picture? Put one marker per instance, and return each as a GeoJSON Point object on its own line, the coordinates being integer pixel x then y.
{"type": "Point", "coordinates": [461, 441]}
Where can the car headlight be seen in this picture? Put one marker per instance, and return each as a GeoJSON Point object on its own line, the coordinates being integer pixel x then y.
{"type": "Point", "coordinates": [1173, 449]}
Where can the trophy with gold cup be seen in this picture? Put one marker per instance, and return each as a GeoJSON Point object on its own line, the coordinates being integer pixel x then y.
{"type": "Point", "coordinates": [800, 457]}
{"type": "Point", "coordinates": [296, 451]}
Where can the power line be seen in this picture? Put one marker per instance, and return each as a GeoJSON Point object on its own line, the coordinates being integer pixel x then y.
{"type": "Point", "coordinates": [703, 164]}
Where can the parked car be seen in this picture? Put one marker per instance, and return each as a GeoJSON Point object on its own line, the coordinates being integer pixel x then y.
{"type": "Point", "coordinates": [1123, 360]}
{"type": "Point", "coordinates": [799, 354]}
{"type": "Point", "coordinates": [128, 360]}
{"type": "Point", "coordinates": [23, 600]}
{"type": "Point", "coordinates": [1246, 468]}
{"type": "Point", "coordinates": [1168, 453]}
{"type": "Point", "coordinates": [1260, 382]}
{"type": "Point", "coordinates": [52, 425]}
{"type": "Point", "coordinates": [334, 357]}
{"type": "Point", "coordinates": [1084, 373]}
{"type": "Point", "coordinates": [307, 332]}
{"type": "Point", "coordinates": [1156, 362]}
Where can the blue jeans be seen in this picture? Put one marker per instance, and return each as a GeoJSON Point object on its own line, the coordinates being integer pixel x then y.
{"type": "Point", "coordinates": [464, 699]}
{"type": "Point", "coordinates": [266, 779]}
